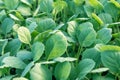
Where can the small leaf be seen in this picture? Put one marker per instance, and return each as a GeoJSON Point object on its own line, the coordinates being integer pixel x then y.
{"type": "Point", "coordinates": [105, 35]}
{"type": "Point", "coordinates": [3, 43]}
{"type": "Point", "coordinates": [2, 15]}
{"type": "Point", "coordinates": [2, 57]}
{"type": "Point", "coordinates": [97, 19]}
{"type": "Point", "coordinates": [7, 77]}
{"type": "Point", "coordinates": [7, 25]}
{"type": "Point", "coordinates": [58, 6]}
{"type": "Point", "coordinates": [106, 18]}
{"type": "Point", "coordinates": [37, 50]}
{"type": "Point", "coordinates": [46, 5]}
{"type": "Point", "coordinates": [40, 72]}
{"type": "Point", "coordinates": [27, 69]}
{"type": "Point", "coordinates": [99, 70]}
{"type": "Point", "coordinates": [41, 37]}
{"type": "Point", "coordinates": [98, 77]}
{"type": "Point", "coordinates": [86, 34]}
{"type": "Point", "coordinates": [110, 55]}
{"type": "Point", "coordinates": [46, 24]}
{"type": "Point", "coordinates": [84, 67]}
{"type": "Point", "coordinates": [47, 62]}
{"type": "Point", "coordinates": [24, 55]}
{"type": "Point", "coordinates": [109, 60]}
{"type": "Point", "coordinates": [14, 17]}
{"type": "Point", "coordinates": [56, 45]}
{"type": "Point", "coordinates": [96, 4]}
{"type": "Point", "coordinates": [71, 29]}
{"type": "Point", "coordinates": [14, 62]}
{"type": "Point", "coordinates": [62, 71]}
{"type": "Point", "coordinates": [32, 27]}
{"type": "Point", "coordinates": [19, 78]}
{"type": "Point", "coordinates": [111, 48]}
{"type": "Point", "coordinates": [26, 2]}
{"type": "Point", "coordinates": [24, 10]}
{"type": "Point", "coordinates": [63, 59]}
{"type": "Point", "coordinates": [24, 35]}
{"type": "Point", "coordinates": [11, 4]}
{"type": "Point", "coordinates": [94, 54]}
{"type": "Point", "coordinates": [111, 9]}
{"type": "Point", "coordinates": [13, 46]}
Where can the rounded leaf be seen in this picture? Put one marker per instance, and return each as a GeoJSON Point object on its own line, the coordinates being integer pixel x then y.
{"type": "Point", "coordinates": [7, 25]}
{"type": "Point", "coordinates": [40, 72]}
{"type": "Point", "coordinates": [46, 24]}
{"type": "Point", "coordinates": [14, 62]}
{"type": "Point", "coordinates": [84, 67]}
{"type": "Point", "coordinates": [24, 35]}
{"type": "Point", "coordinates": [62, 70]}
{"type": "Point", "coordinates": [56, 45]}
{"type": "Point", "coordinates": [86, 34]}
{"type": "Point", "coordinates": [105, 35]}
{"type": "Point", "coordinates": [93, 54]}
{"type": "Point", "coordinates": [37, 50]}
{"type": "Point", "coordinates": [110, 60]}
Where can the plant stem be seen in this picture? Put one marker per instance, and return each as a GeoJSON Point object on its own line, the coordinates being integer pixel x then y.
{"type": "Point", "coordinates": [30, 46]}
{"type": "Point", "coordinates": [67, 53]}
{"type": "Point", "coordinates": [78, 53]}
{"type": "Point", "coordinates": [87, 78]}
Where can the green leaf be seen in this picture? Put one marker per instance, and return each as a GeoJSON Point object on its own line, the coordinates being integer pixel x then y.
{"type": "Point", "coordinates": [111, 9]}
{"type": "Point", "coordinates": [41, 37]}
{"type": "Point", "coordinates": [13, 46]}
{"type": "Point", "coordinates": [48, 62]}
{"type": "Point", "coordinates": [89, 10]}
{"type": "Point", "coordinates": [105, 35]}
{"type": "Point", "coordinates": [110, 60]}
{"type": "Point", "coordinates": [110, 55]}
{"type": "Point", "coordinates": [102, 78]}
{"type": "Point", "coordinates": [92, 53]}
{"type": "Point", "coordinates": [46, 5]}
{"type": "Point", "coordinates": [46, 24]}
{"type": "Point", "coordinates": [24, 10]}
{"type": "Point", "coordinates": [37, 50]}
{"type": "Point", "coordinates": [59, 6]}
{"type": "Point", "coordinates": [111, 48]}
{"type": "Point", "coordinates": [106, 18]}
{"type": "Point", "coordinates": [2, 57]}
{"type": "Point", "coordinates": [86, 34]}
{"type": "Point", "coordinates": [40, 72]}
{"type": "Point", "coordinates": [115, 3]}
{"type": "Point", "coordinates": [84, 67]}
{"type": "Point", "coordinates": [26, 2]}
{"type": "Point", "coordinates": [27, 69]}
{"type": "Point", "coordinates": [19, 78]}
{"type": "Point", "coordinates": [62, 71]}
{"type": "Point", "coordinates": [24, 35]}
{"type": "Point", "coordinates": [97, 19]}
{"type": "Point", "coordinates": [71, 29]}
{"type": "Point", "coordinates": [32, 27]}
{"type": "Point", "coordinates": [24, 55]}
{"type": "Point", "coordinates": [14, 62]}
{"type": "Point", "coordinates": [56, 45]}
{"type": "Point", "coordinates": [63, 59]}
{"type": "Point", "coordinates": [7, 77]}
{"type": "Point", "coordinates": [11, 4]}
{"type": "Point", "coordinates": [96, 4]}
{"type": "Point", "coordinates": [3, 43]}
{"type": "Point", "coordinates": [7, 25]}
{"type": "Point", "coordinates": [79, 2]}
{"type": "Point", "coordinates": [14, 17]}
{"type": "Point", "coordinates": [2, 15]}
{"type": "Point", "coordinates": [99, 70]}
